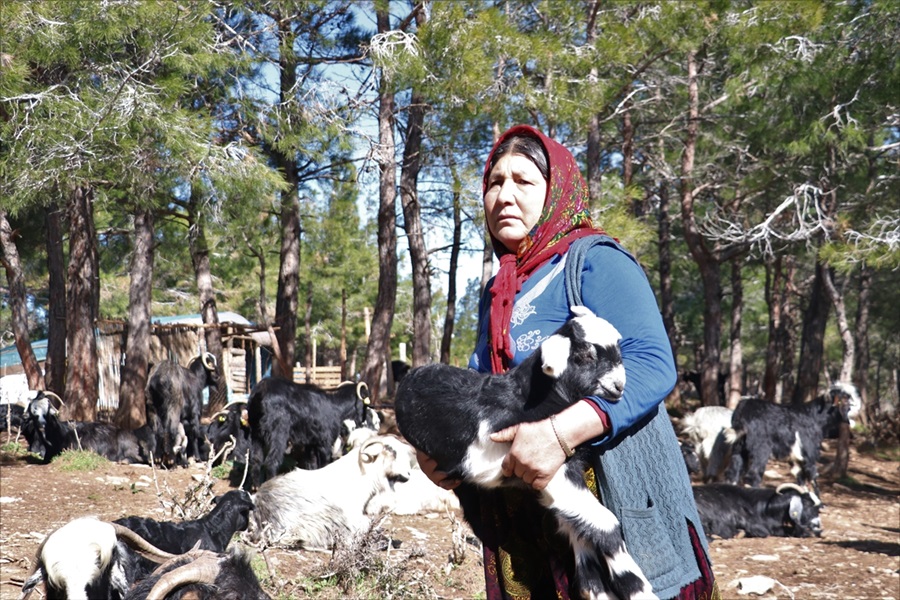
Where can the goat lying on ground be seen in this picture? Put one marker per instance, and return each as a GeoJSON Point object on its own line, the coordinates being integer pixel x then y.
{"type": "Point", "coordinates": [202, 575]}
{"type": "Point", "coordinates": [313, 509]}
{"type": "Point", "coordinates": [104, 559]}
{"type": "Point", "coordinates": [48, 436]}
{"type": "Point", "coordinates": [449, 413]}
{"type": "Point", "coordinates": [788, 511]}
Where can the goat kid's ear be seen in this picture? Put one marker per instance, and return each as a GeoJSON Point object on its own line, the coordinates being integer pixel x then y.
{"type": "Point", "coordinates": [555, 355]}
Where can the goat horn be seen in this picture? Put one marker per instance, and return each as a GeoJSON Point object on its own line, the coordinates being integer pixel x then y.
{"type": "Point", "coordinates": [49, 393]}
{"type": "Point", "coordinates": [209, 360]}
{"type": "Point", "coordinates": [790, 486]}
{"type": "Point", "coordinates": [203, 569]}
{"type": "Point", "coordinates": [359, 388]}
{"type": "Point", "coordinates": [140, 545]}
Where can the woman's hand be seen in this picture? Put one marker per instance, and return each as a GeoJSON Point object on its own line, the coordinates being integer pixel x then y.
{"type": "Point", "coordinates": [429, 467]}
{"type": "Point", "coordinates": [535, 455]}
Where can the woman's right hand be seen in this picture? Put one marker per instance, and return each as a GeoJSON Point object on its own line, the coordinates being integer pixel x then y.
{"type": "Point", "coordinates": [429, 467]}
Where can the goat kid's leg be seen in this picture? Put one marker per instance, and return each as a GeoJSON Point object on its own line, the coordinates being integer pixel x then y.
{"type": "Point", "coordinates": [596, 538]}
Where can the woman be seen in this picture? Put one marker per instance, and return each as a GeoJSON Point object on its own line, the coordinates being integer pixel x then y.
{"type": "Point", "coordinates": [535, 204]}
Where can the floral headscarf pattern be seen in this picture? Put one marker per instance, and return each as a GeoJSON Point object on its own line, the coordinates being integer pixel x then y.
{"type": "Point", "coordinates": [564, 219]}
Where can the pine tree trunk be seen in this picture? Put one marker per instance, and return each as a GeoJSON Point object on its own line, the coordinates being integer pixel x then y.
{"type": "Point", "coordinates": [773, 303]}
{"type": "Point", "coordinates": [412, 223]}
{"type": "Point", "coordinates": [450, 316]}
{"type": "Point", "coordinates": [288, 294]}
{"type": "Point", "coordinates": [133, 376]}
{"type": "Point", "coordinates": [376, 370]}
{"type": "Point", "coordinates": [9, 256]}
{"type": "Point", "coordinates": [840, 309]}
{"type": "Point", "coordinates": [708, 266]}
{"type": "Point", "coordinates": [83, 300]}
{"type": "Point", "coordinates": [787, 336]}
{"type": "Point", "coordinates": [199, 249]}
{"type": "Point", "coordinates": [812, 341]}
{"type": "Point", "coordinates": [55, 366]}
{"type": "Point", "coordinates": [861, 330]}
{"type": "Point", "coordinates": [736, 364]}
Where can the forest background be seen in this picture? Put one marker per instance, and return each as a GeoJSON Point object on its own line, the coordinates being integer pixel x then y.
{"type": "Point", "coordinates": [306, 162]}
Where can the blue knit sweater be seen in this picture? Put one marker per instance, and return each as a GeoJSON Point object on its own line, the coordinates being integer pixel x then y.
{"type": "Point", "coordinates": [638, 463]}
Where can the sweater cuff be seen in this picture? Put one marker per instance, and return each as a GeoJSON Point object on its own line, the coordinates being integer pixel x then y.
{"type": "Point", "coordinates": [604, 418]}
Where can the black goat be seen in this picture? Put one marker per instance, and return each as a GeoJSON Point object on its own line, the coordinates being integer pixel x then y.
{"type": "Point", "coordinates": [11, 415]}
{"type": "Point", "coordinates": [449, 413]}
{"type": "Point", "coordinates": [300, 420]}
{"type": "Point", "coordinates": [87, 558]}
{"type": "Point", "coordinates": [202, 575]}
{"type": "Point", "coordinates": [176, 394]}
{"type": "Point", "coordinates": [763, 430]}
{"type": "Point", "coordinates": [213, 531]}
{"type": "Point", "coordinates": [230, 422]}
{"type": "Point", "coordinates": [788, 511]}
{"type": "Point", "coordinates": [48, 436]}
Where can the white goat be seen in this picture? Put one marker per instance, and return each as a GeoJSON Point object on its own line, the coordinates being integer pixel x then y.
{"type": "Point", "coordinates": [703, 427]}
{"type": "Point", "coordinates": [416, 496]}
{"type": "Point", "coordinates": [313, 509]}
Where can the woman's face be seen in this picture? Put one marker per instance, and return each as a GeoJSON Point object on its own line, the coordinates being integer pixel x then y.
{"type": "Point", "coordinates": [514, 199]}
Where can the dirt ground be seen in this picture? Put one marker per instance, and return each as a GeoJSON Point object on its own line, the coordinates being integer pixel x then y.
{"type": "Point", "coordinates": [858, 556]}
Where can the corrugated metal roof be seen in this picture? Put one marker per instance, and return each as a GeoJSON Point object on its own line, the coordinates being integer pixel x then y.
{"type": "Point", "coordinates": [9, 355]}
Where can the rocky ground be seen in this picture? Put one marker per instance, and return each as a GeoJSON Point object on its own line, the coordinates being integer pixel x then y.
{"type": "Point", "coordinates": [858, 556]}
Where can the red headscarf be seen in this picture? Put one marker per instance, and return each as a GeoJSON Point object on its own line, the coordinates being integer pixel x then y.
{"type": "Point", "coordinates": [565, 218]}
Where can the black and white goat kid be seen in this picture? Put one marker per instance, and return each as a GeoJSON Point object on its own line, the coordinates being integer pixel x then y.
{"type": "Point", "coordinates": [449, 413]}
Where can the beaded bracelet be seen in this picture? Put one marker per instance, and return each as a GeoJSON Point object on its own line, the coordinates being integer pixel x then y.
{"type": "Point", "coordinates": [562, 444]}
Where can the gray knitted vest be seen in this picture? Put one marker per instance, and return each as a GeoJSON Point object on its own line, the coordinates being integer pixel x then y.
{"type": "Point", "coordinates": [642, 478]}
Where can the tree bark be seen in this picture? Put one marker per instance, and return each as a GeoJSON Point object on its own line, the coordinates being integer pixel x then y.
{"type": "Point", "coordinates": [378, 350]}
{"type": "Point", "coordinates": [83, 301]}
{"type": "Point", "coordinates": [736, 363]}
{"type": "Point", "coordinates": [288, 293]}
{"type": "Point", "coordinates": [787, 337]}
{"type": "Point", "coordinates": [450, 317]}
{"type": "Point", "coordinates": [9, 256]}
{"type": "Point", "coordinates": [209, 313]}
{"type": "Point", "coordinates": [133, 375]}
{"type": "Point", "coordinates": [706, 263]}
{"type": "Point", "coordinates": [55, 365]}
{"type": "Point", "coordinates": [412, 223]}
{"type": "Point", "coordinates": [861, 369]}
{"type": "Point", "coordinates": [812, 341]}
{"type": "Point", "coordinates": [773, 285]}
{"type": "Point", "coordinates": [840, 310]}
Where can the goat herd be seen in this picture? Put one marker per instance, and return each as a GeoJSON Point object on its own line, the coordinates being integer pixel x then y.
{"type": "Point", "coordinates": [348, 468]}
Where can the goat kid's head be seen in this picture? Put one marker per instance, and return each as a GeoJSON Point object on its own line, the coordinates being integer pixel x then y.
{"type": "Point", "coordinates": [587, 348]}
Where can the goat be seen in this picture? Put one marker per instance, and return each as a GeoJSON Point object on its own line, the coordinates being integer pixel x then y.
{"type": "Point", "coordinates": [87, 558]}
{"type": "Point", "coordinates": [449, 413]}
{"type": "Point", "coordinates": [176, 394]}
{"type": "Point", "coordinates": [763, 430]}
{"type": "Point", "coordinates": [105, 559]}
{"type": "Point", "coordinates": [300, 420]}
{"type": "Point", "coordinates": [416, 496]}
{"type": "Point", "coordinates": [789, 511]}
{"type": "Point", "coordinates": [315, 509]}
{"type": "Point", "coordinates": [202, 575]}
{"type": "Point", "coordinates": [11, 415]}
{"type": "Point", "coordinates": [230, 514]}
{"type": "Point", "coordinates": [48, 436]}
{"type": "Point", "coordinates": [230, 422]}
{"type": "Point", "coordinates": [705, 427]}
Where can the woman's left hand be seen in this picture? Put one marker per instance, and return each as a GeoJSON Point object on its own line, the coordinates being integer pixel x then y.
{"type": "Point", "coordinates": [535, 455]}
